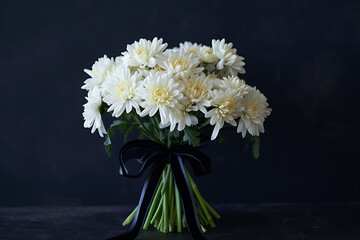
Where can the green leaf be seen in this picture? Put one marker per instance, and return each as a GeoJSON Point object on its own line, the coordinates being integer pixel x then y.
{"type": "Point", "coordinates": [107, 144]}
{"type": "Point", "coordinates": [119, 123]}
{"type": "Point", "coordinates": [255, 140]}
{"type": "Point", "coordinates": [122, 127]}
{"type": "Point", "coordinates": [176, 133]}
{"type": "Point", "coordinates": [206, 123]}
{"type": "Point", "coordinates": [111, 132]}
{"type": "Point", "coordinates": [102, 107]}
{"type": "Point", "coordinates": [192, 136]}
{"type": "Point", "coordinates": [127, 133]}
{"type": "Point", "coordinates": [162, 135]}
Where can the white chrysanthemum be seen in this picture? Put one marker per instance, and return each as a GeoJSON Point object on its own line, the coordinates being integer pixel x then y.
{"type": "Point", "coordinates": [181, 117]}
{"type": "Point", "coordinates": [122, 91]}
{"type": "Point", "coordinates": [227, 107]}
{"type": "Point", "coordinates": [227, 57]}
{"type": "Point", "coordinates": [181, 64]}
{"type": "Point", "coordinates": [98, 72]}
{"type": "Point", "coordinates": [185, 118]}
{"type": "Point", "coordinates": [190, 48]}
{"type": "Point", "coordinates": [234, 69]}
{"type": "Point", "coordinates": [207, 55]}
{"type": "Point", "coordinates": [233, 82]}
{"type": "Point", "coordinates": [123, 61]}
{"type": "Point", "coordinates": [91, 112]}
{"type": "Point", "coordinates": [254, 114]}
{"type": "Point", "coordinates": [196, 89]}
{"type": "Point", "coordinates": [160, 92]}
{"type": "Point", "coordinates": [145, 52]}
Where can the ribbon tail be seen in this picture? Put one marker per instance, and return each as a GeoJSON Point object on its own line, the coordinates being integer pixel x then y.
{"type": "Point", "coordinates": [144, 202]}
{"type": "Point", "coordinates": [187, 198]}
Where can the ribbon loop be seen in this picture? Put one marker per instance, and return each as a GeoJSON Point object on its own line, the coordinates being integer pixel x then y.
{"type": "Point", "coordinates": [199, 162]}
{"type": "Point", "coordinates": [133, 150]}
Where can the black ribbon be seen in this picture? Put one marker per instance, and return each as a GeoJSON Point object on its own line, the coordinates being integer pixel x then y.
{"type": "Point", "coordinates": [152, 153]}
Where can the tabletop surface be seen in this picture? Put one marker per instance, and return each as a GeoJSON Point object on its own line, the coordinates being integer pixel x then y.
{"type": "Point", "coordinates": [238, 221]}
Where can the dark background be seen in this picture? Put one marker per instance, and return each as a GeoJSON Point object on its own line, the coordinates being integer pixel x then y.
{"type": "Point", "coordinates": [303, 55]}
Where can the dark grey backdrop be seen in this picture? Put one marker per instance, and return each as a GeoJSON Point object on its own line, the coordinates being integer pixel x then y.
{"type": "Point", "coordinates": [304, 55]}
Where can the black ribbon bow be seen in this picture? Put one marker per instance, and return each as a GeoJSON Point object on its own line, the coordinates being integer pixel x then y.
{"type": "Point", "coordinates": [157, 155]}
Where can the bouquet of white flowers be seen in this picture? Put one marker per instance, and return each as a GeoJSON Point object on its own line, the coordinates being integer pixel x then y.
{"type": "Point", "coordinates": [175, 97]}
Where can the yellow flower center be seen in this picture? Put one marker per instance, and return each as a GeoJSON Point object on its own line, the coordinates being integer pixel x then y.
{"type": "Point", "coordinates": [252, 110]}
{"type": "Point", "coordinates": [208, 52]}
{"type": "Point", "coordinates": [226, 108]}
{"type": "Point", "coordinates": [197, 91]}
{"type": "Point", "coordinates": [120, 91]}
{"type": "Point", "coordinates": [161, 95]}
{"type": "Point", "coordinates": [182, 62]}
{"type": "Point", "coordinates": [124, 91]}
{"type": "Point", "coordinates": [178, 62]}
{"type": "Point", "coordinates": [192, 50]}
{"type": "Point", "coordinates": [140, 52]}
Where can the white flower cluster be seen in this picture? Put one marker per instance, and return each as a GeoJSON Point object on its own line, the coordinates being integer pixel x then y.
{"type": "Point", "coordinates": [179, 84]}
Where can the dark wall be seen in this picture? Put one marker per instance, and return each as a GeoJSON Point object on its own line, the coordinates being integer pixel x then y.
{"type": "Point", "coordinates": [304, 56]}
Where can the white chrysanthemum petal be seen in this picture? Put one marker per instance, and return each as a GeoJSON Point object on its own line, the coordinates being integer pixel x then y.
{"type": "Point", "coordinates": [254, 114]}
{"type": "Point", "coordinates": [232, 82]}
{"type": "Point", "coordinates": [196, 89]}
{"type": "Point", "coordinates": [189, 48]}
{"type": "Point", "coordinates": [207, 54]}
{"type": "Point", "coordinates": [146, 111]}
{"type": "Point", "coordinates": [98, 73]}
{"type": "Point", "coordinates": [145, 52]}
{"type": "Point", "coordinates": [122, 90]}
{"type": "Point", "coordinates": [182, 116]}
{"type": "Point", "coordinates": [180, 64]}
{"type": "Point", "coordinates": [153, 111]}
{"type": "Point", "coordinates": [215, 131]}
{"type": "Point", "coordinates": [230, 63]}
{"type": "Point", "coordinates": [226, 108]}
{"type": "Point", "coordinates": [151, 62]}
{"type": "Point", "coordinates": [160, 92]}
{"type": "Point", "coordinates": [91, 112]}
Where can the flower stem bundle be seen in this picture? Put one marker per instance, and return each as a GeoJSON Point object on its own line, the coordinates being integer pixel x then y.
{"type": "Point", "coordinates": [166, 213]}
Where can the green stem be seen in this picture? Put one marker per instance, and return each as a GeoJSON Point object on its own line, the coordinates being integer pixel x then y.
{"type": "Point", "coordinates": [156, 129]}
{"type": "Point", "coordinates": [171, 206]}
{"type": "Point", "coordinates": [139, 129]}
{"type": "Point", "coordinates": [201, 200]}
{"type": "Point", "coordinates": [160, 223]}
{"type": "Point", "coordinates": [201, 214]}
{"type": "Point", "coordinates": [178, 210]}
{"type": "Point", "coordinates": [213, 212]}
{"type": "Point", "coordinates": [183, 221]}
{"type": "Point", "coordinates": [154, 204]}
{"type": "Point", "coordinates": [130, 217]}
{"type": "Point", "coordinates": [166, 178]}
{"type": "Point", "coordinates": [169, 139]}
{"type": "Point", "coordinates": [166, 213]}
{"type": "Point", "coordinates": [203, 229]}
{"type": "Point", "coordinates": [146, 130]}
{"type": "Point", "coordinates": [158, 211]}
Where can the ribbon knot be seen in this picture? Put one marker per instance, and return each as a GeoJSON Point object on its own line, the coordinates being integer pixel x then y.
{"type": "Point", "coordinates": [149, 153]}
